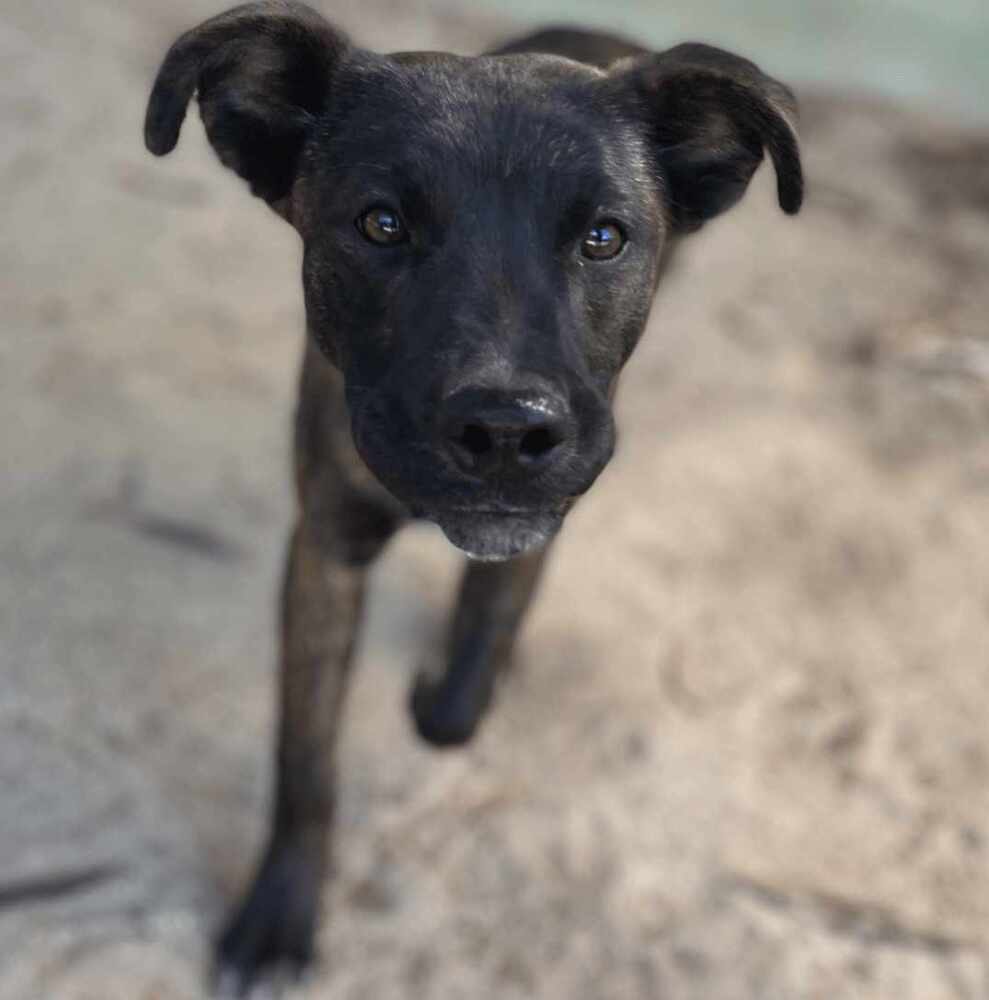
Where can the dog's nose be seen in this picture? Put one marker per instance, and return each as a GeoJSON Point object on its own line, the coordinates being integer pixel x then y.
{"type": "Point", "coordinates": [491, 430]}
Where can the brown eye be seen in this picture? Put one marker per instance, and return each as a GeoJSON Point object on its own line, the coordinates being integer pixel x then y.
{"type": "Point", "coordinates": [382, 226]}
{"type": "Point", "coordinates": [602, 242]}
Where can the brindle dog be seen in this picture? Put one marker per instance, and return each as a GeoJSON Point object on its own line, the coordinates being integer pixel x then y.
{"type": "Point", "coordinates": [483, 237]}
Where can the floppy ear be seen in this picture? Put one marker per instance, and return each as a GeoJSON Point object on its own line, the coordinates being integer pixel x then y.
{"type": "Point", "coordinates": [709, 116]}
{"type": "Point", "coordinates": [262, 72]}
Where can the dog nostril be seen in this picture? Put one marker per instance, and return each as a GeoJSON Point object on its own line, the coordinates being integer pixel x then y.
{"type": "Point", "coordinates": [476, 439]}
{"type": "Point", "coordinates": [537, 442]}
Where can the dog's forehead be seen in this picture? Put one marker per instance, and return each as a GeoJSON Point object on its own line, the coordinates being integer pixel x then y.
{"type": "Point", "coordinates": [462, 83]}
{"type": "Point", "coordinates": [500, 111]}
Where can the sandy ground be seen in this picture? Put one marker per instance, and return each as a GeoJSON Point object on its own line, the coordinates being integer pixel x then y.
{"type": "Point", "coordinates": [745, 755]}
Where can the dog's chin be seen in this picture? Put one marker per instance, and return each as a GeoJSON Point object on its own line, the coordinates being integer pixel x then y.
{"type": "Point", "coordinates": [494, 536]}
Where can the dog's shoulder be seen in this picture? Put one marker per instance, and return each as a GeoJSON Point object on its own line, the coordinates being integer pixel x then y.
{"type": "Point", "coordinates": [593, 47]}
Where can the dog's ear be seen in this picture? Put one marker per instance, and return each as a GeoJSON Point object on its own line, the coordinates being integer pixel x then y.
{"type": "Point", "coordinates": [262, 72]}
{"type": "Point", "coordinates": [709, 116]}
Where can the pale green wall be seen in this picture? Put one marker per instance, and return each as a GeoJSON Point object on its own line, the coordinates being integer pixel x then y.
{"type": "Point", "coordinates": [921, 49]}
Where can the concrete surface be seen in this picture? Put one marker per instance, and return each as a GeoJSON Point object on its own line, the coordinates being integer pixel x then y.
{"type": "Point", "coordinates": [745, 755]}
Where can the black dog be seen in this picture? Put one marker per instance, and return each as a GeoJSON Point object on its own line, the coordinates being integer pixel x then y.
{"type": "Point", "coordinates": [483, 237]}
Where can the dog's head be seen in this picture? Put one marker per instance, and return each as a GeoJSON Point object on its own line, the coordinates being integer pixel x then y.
{"type": "Point", "coordinates": [482, 235]}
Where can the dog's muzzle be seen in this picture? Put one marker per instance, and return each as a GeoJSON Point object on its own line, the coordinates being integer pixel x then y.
{"type": "Point", "coordinates": [494, 536]}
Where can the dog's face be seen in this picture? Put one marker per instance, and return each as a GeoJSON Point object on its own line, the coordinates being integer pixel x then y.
{"type": "Point", "coordinates": [481, 242]}
{"type": "Point", "coordinates": [482, 236]}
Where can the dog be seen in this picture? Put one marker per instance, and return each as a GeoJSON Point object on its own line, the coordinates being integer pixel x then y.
{"type": "Point", "coordinates": [483, 237]}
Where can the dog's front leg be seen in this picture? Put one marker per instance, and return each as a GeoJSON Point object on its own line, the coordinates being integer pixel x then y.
{"type": "Point", "coordinates": [492, 602]}
{"type": "Point", "coordinates": [321, 605]}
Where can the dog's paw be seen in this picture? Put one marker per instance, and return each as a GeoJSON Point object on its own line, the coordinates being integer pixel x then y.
{"type": "Point", "coordinates": [270, 937]}
{"type": "Point", "coordinates": [445, 717]}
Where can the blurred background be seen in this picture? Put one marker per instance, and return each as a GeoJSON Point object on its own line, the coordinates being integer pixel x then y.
{"type": "Point", "coordinates": [914, 49]}
{"type": "Point", "coordinates": [744, 757]}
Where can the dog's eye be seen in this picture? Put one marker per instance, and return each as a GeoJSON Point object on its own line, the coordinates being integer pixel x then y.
{"type": "Point", "coordinates": [603, 241]}
{"type": "Point", "coordinates": [383, 226]}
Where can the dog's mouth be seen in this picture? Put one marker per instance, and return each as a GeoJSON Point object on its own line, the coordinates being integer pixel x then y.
{"type": "Point", "coordinates": [494, 534]}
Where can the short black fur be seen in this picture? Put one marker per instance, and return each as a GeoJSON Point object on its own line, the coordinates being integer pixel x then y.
{"type": "Point", "coordinates": [465, 372]}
